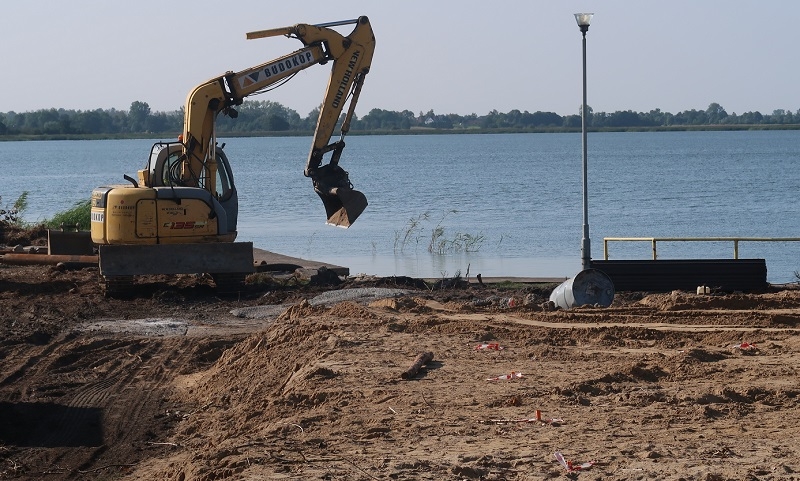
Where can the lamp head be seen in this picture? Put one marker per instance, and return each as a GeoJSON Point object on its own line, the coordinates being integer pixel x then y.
{"type": "Point", "coordinates": [583, 20]}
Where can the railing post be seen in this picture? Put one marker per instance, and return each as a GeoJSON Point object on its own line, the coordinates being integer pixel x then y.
{"type": "Point", "coordinates": [735, 240]}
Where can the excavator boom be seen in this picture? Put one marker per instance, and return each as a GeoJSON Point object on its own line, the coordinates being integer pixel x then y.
{"type": "Point", "coordinates": [351, 57]}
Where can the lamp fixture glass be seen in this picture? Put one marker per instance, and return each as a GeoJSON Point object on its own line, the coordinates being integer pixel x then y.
{"type": "Point", "coordinates": [583, 19]}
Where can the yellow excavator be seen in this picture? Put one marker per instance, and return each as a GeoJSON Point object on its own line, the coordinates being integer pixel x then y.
{"type": "Point", "coordinates": [180, 215]}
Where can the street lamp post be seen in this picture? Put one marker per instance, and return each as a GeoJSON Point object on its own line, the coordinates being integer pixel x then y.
{"type": "Point", "coordinates": [589, 286]}
{"type": "Point", "coordinates": [583, 20]}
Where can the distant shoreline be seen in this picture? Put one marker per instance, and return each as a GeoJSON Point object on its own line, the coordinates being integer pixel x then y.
{"type": "Point", "coordinates": [412, 131]}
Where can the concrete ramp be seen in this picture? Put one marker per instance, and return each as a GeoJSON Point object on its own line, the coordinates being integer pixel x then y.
{"type": "Point", "coordinates": [266, 261]}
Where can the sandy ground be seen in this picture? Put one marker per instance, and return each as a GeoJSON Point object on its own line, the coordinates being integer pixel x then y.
{"type": "Point", "coordinates": [178, 384]}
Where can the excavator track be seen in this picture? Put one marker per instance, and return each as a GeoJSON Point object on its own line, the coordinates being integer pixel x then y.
{"type": "Point", "coordinates": [117, 286]}
{"type": "Point", "coordinates": [229, 283]}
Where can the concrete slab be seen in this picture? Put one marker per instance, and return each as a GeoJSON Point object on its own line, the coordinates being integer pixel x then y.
{"type": "Point", "coordinates": [266, 261]}
{"type": "Point", "coordinates": [520, 280]}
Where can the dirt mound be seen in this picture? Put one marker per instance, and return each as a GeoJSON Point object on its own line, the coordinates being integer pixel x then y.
{"type": "Point", "coordinates": [680, 300]}
{"type": "Point", "coordinates": [175, 383]}
{"type": "Point", "coordinates": [15, 235]}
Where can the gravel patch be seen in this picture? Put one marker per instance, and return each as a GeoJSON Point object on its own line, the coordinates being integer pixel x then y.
{"type": "Point", "coordinates": [359, 294]}
{"type": "Point", "coordinates": [259, 312]}
{"type": "Point", "coordinates": [151, 327]}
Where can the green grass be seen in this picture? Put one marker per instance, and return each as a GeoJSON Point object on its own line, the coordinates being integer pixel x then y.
{"type": "Point", "coordinates": [79, 215]}
{"type": "Point", "coordinates": [440, 241]}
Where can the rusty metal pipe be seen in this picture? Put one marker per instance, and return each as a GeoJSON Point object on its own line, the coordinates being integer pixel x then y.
{"type": "Point", "coordinates": [45, 259]}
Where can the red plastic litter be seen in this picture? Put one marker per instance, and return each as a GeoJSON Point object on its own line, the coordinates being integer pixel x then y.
{"type": "Point", "coordinates": [506, 377]}
{"type": "Point", "coordinates": [569, 465]}
{"type": "Point", "coordinates": [490, 346]}
{"type": "Point", "coordinates": [745, 346]}
{"type": "Point", "coordinates": [547, 420]}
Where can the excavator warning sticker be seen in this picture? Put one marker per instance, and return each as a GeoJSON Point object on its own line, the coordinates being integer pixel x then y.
{"type": "Point", "coordinates": [287, 65]}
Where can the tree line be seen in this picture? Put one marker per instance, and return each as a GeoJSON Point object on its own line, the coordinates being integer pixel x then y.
{"type": "Point", "coordinates": [266, 116]}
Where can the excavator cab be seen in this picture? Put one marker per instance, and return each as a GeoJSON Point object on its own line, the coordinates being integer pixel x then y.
{"type": "Point", "coordinates": [162, 173]}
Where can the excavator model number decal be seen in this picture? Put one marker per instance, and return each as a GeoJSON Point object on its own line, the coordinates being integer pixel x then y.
{"type": "Point", "coordinates": [189, 224]}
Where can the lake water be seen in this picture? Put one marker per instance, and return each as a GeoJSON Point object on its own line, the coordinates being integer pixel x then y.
{"type": "Point", "coordinates": [505, 204]}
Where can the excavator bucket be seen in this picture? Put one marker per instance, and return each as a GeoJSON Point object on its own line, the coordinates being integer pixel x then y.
{"type": "Point", "coordinates": [343, 205]}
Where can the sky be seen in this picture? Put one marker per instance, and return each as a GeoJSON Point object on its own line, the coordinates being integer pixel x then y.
{"type": "Point", "coordinates": [460, 57]}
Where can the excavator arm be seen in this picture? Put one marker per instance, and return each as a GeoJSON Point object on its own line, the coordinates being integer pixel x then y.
{"type": "Point", "coordinates": [350, 56]}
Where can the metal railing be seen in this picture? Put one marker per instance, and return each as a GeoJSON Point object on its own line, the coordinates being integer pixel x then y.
{"type": "Point", "coordinates": [655, 240]}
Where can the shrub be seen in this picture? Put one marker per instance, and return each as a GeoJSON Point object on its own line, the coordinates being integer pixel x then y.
{"type": "Point", "coordinates": [13, 215]}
